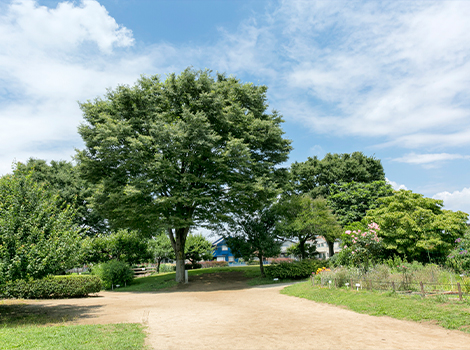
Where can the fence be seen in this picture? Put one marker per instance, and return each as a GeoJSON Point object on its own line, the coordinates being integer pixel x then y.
{"type": "Point", "coordinates": [403, 287]}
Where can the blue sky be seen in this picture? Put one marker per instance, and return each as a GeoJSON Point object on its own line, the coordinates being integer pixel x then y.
{"type": "Point", "coordinates": [388, 78]}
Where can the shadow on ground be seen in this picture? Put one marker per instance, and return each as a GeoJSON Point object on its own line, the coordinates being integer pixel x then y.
{"type": "Point", "coordinates": [14, 313]}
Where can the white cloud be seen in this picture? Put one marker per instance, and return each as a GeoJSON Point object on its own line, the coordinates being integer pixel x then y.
{"type": "Point", "coordinates": [395, 185]}
{"type": "Point", "coordinates": [413, 158]}
{"type": "Point", "coordinates": [457, 200]}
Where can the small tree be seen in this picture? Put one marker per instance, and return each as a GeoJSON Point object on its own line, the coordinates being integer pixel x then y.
{"type": "Point", "coordinates": [309, 251]}
{"type": "Point", "coordinates": [416, 227]}
{"type": "Point", "coordinates": [198, 248]}
{"type": "Point", "coordinates": [254, 234]}
{"type": "Point", "coordinates": [38, 237]}
{"type": "Point", "coordinates": [160, 248]}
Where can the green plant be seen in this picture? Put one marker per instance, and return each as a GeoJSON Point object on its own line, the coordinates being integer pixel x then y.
{"type": "Point", "coordinates": [71, 286]}
{"type": "Point", "coordinates": [114, 273]}
{"type": "Point", "coordinates": [297, 269]}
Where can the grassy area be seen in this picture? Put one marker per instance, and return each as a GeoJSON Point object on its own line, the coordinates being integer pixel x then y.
{"type": "Point", "coordinates": [167, 280]}
{"type": "Point", "coordinates": [451, 314]}
{"type": "Point", "coordinates": [113, 336]}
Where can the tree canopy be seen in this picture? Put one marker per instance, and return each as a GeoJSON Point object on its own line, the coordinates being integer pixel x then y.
{"type": "Point", "coordinates": [350, 201]}
{"type": "Point", "coordinates": [38, 235]}
{"type": "Point", "coordinates": [198, 248]}
{"type": "Point", "coordinates": [315, 176]}
{"type": "Point", "coordinates": [179, 153]}
{"type": "Point", "coordinates": [416, 227]}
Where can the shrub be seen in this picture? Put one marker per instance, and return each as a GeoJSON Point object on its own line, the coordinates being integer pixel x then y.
{"type": "Point", "coordinates": [280, 260]}
{"type": "Point", "coordinates": [167, 268]}
{"type": "Point", "coordinates": [113, 272]}
{"type": "Point", "coordinates": [297, 269]}
{"type": "Point", "coordinates": [206, 264]}
{"type": "Point", "coordinates": [71, 286]}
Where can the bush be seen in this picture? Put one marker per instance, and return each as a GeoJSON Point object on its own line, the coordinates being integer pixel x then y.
{"type": "Point", "coordinates": [206, 264]}
{"type": "Point", "coordinates": [297, 269]}
{"type": "Point", "coordinates": [167, 268]}
{"type": "Point", "coordinates": [72, 286]}
{"type": "Point", "coordinates": [279, 260]}
{"type": "Point", "coordinates": [192, 266]}
{"type": "Point", "coordinates": [113, 272]}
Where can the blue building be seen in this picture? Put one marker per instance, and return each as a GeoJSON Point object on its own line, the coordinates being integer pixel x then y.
{"type": "Point", "coordinates": [222, 252]}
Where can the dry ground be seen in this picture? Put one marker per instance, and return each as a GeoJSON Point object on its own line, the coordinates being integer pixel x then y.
{"type": "Point", "coordinates": [212, 313]}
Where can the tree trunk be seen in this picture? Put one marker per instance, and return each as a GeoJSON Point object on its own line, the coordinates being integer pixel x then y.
{"type": "Point", "coordinates": [331, 250]}
{"type": "Point", "coordinates": [302, 249]}
{"type": "Point", "coordinates": [261, 266]}
{"type": "Point", "coordinates": [178, 241]}
{"type": "Point", "coordinates": [158, 265]}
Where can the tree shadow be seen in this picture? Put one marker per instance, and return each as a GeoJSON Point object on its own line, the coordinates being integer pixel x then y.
{"type": "Point", "coordinates": [17, 313]}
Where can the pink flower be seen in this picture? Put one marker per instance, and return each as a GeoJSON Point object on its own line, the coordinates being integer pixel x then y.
{"type": "Point", "coordinates": [345, 246]}
{"type": "Point", "coordinates": [352, 252]}
{"type": "Point", "coordinates": [354, 241]}
{"type": "Point", "coordinates": [348, 232]}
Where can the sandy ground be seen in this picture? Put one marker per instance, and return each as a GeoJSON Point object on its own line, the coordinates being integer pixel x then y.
{"type": "Point", "coordinates": [210, 313]}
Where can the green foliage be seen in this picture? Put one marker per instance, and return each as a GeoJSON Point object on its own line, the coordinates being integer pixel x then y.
{"type": "Point", "coordinates": [113, 272]}
{"type": "Point", "coordinates": [416, 227]}
{"type": "Point", "coordinates": [293, 270]}
{"type": "Point", "coordinates": [72, 286]}
{"type": "Point", "coordinates": [180, 153]}
{"type": "Point", "coordinates": [160, 248]}
{"type": "Point", "coordinates": [315, 176]}
{"type": "Point", "coordinates": [198, 248]}
{"type": "Point", "coordinates": [123, 245]}
{"type": "Point", "coordinates": [361, 248]}
{"type": "Point", "coordinates": [459, 257]}
{"type": "Point", "coordinates": [37, 236]}
{"type": "Point", "coordinates": [253, 235]}
{"type": "Point", "coordinates": [303, 218]}
{"type": "Point", "coordinates": [63, 178]}
{"type": "Point", "coordinates": [350, 201]}
{"type": "Point", "coordinates": [310, 251]}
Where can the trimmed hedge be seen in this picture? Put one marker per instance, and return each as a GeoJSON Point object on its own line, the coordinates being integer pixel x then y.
{"type": "Point", "coordinates": [53, 287]}
{"type": "Point", "coordinates": [192, 266]}
{"type": "Point", "coordinates": [293, 270]}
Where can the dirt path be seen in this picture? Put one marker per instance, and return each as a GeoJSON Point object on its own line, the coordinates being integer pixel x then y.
{"type": "Point", "coordinates": [211, 313]}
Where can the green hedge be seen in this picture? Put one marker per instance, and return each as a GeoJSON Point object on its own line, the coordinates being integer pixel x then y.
{"type": "Point", "coordinates": [113, 273]}
{"type": "Point", "coordinates": [296, 269]}
{"type": "Point", "coordinates": [51, 287]}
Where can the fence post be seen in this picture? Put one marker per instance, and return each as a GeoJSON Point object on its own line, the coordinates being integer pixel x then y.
{"type": "Point", "coordinates": [350, 284]}
{"type": "Point", "coordinates": [422, 289]}
{"type": "Point", "coordinates": [460, 291]}
{"type": "Point", "coordinates": [335, 283]}
{"type": "Point", "coordinates": [393, 285]}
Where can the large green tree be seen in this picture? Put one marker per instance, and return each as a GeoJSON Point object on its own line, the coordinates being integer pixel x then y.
{"type": "Point", "coordinates": [38, 235]}
{"type": "Point", "coordinates": [304, 218]}
{"type": "Point", "coordinates": [416, 227]}
{"type": "Point", "coordinates": [179, 153]}
{"type": "Point", "coordinates": [350, 201]}
{"type": "Point", "coordinates": [315, 176]}
{"type": "Point", "coordinates": [64, 178]}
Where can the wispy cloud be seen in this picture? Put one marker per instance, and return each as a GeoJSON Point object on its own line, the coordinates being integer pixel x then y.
{"type": "Point", "coordinates": [413, 158]}
{"type": "Point", "coordinates": [457, 200]}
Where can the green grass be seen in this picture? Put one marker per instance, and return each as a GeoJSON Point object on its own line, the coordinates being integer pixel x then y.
{"type": "Point", "coordinates": [451, 314]}
{"type": "Point", "coordinates": [113, 336]}
{"type": "Point", "coordinates": [167, 280]}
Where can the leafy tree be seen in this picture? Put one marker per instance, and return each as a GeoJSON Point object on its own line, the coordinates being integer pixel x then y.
{"type": "Point", "coordinates": [123, 245]}
{"type": "Point", "coordinates": [64, 178]}
{"type": "Point", "coordinates": [416, 227]}
{"type": "Point", "coordinates": [310, 251]}
{"type": "Point", "coordinates": [315, 176]}
{"type": "Point", "coordinates": [459, 257]}
{"type": "Point", "coordinates": [37, 235]}
{"type": "Point", "coordinates": [180, 153]}
{"type": "Point", "coordinates": [254, 234]}
{"type": "Point", "coordinates": [160, 248]}
{"type": "Point", "coordinates": [350, 201]}
{"type": "Point", "coordinates": [198, 248]}
{"type": "Point", "coordinates": [304, 218]}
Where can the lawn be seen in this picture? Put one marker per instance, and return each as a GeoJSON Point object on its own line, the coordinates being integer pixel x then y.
{"type": "Point", "coordinates": [167, 280]}
{"type": "Point", "coordinates": [448, 313]}
{"type": "Point", "coordinates": [20, 329]}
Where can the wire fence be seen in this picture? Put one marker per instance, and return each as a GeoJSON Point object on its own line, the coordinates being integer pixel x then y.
{"type": "Point", "coordinates": [403, 287]}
